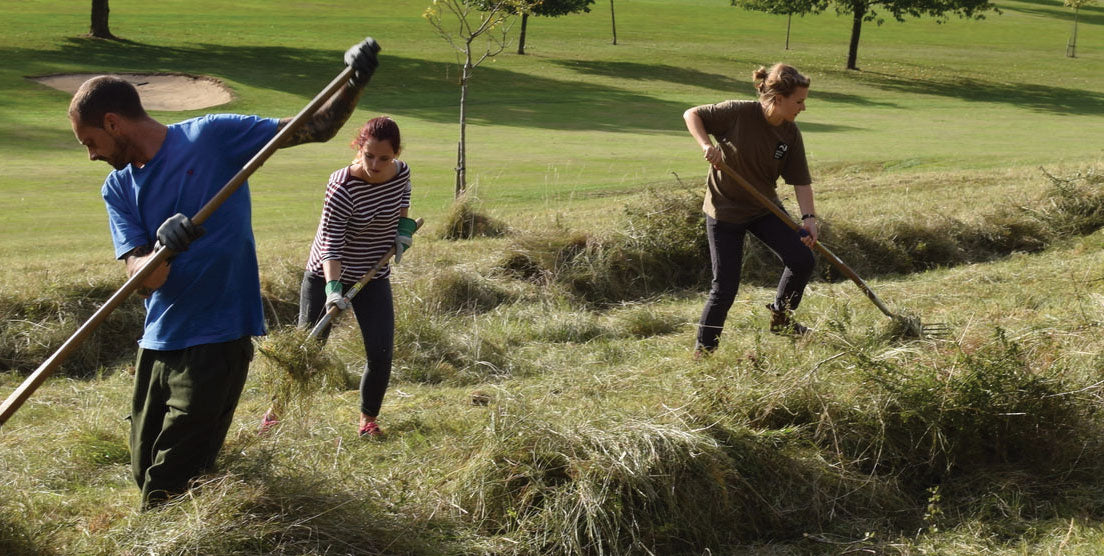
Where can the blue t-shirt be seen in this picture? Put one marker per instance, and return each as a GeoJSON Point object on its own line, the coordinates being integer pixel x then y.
{"type": "Point", "coordinates": [213, 291]}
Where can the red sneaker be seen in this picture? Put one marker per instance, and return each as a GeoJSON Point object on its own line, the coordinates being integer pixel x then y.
{"type": "Point", "coordinates": [370, 429]}
{"type": "Point", "coordinates": [268, 422]}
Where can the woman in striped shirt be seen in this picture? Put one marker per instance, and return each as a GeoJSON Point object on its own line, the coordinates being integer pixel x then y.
{"type": "Point", "coordinates": [364, 204]}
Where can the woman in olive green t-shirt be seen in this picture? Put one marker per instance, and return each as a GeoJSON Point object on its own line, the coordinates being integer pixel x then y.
{"type": "Point", "coordinates": [761, 142]}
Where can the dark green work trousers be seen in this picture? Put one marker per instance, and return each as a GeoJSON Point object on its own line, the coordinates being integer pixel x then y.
{"type": "Point", "coordinates": [183, 403]}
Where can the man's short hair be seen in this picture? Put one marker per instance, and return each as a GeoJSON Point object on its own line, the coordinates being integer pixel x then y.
{"type": "Point", "coordinates": [103, 94]}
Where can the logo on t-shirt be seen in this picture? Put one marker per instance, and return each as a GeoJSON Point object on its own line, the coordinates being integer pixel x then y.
{"type": "Point", "coordinates": [780, 150]}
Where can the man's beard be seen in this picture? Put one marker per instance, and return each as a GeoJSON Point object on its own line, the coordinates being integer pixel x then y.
{"type": "Point", "coordinates": [118, 159]}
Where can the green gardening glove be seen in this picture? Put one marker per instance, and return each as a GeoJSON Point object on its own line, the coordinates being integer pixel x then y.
{"type": "Point", "coordinates": [404, 237]}
{"type": "Point", "coordinates": [335, 296]}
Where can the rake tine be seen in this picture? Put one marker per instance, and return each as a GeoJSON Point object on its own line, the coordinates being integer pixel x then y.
{"type": "Point", "coordinates": [911, 326]}
{"type": "Point", "coordinates": [935, 329]}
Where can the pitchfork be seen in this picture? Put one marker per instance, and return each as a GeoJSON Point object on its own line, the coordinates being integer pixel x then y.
{"type": "Point", "coordinates": [908, 325]}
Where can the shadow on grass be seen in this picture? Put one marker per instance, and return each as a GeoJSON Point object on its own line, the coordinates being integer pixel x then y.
{"type": "Point", "coordinates": [732, 87]}
{"type": "Point", "coordinates": [1040, 98]}
{"type": "Point", "coordinates": [636, 71]}
{"type": "Point", "coordinates": [845, 98]}
{"type": "Point", "coordinates": [423, 88]}
{"type": "Point", "coordinates": [14, 541]}
{"type": "Point", "coordinates": [1090, 15]}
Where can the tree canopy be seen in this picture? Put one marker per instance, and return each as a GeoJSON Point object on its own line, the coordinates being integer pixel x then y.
{"type": "Point", "coordinates": [871, 10]}
{"type": "Point", "coordinates": [547, 8]}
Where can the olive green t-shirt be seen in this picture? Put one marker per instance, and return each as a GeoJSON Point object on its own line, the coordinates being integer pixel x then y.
{"type": "Point", "coordinates": [756, 150]}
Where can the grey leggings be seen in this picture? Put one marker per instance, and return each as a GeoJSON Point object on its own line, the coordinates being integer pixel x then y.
{"type": "Point", "coordinates": [375, 315]}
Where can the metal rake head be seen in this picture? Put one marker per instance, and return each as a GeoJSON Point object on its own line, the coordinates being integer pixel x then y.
{"type": "Point", "coordinates": [912, 327]}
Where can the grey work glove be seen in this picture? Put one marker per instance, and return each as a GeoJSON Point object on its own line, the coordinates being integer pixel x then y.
{"type": "Point", "coordinates": [362, 58]}
{"type": "Point", "coordinates": [177, 232]}
{"type": "Point", "coordinates": [335, 296]}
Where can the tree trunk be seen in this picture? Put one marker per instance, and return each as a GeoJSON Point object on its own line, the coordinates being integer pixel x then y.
{"type": "Point", "coordinates": [856, 28]}
{"type": "Point", "coordinates": [789, 18]}
{"type": "Point", "coordinates": [521, 37]}
{"type": "Point", "coordinates": [461, 151]}
{"type": "Point", "coordinates": [613, 23]}
{"type": "Point", "coordinates": [1071, 46]}
{"type": "Point", "coordinates": [100, 28]}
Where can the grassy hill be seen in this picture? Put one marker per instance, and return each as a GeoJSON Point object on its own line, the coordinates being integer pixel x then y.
{"type": "Point", "coordinates": [558, 411]}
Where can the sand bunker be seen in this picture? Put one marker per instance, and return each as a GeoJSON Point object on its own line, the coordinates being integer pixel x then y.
{"type": "Point", "coordinates": [159, 91]}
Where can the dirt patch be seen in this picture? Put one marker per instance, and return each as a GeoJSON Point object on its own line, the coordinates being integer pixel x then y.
{"type": "Point", "coordinates": [159, 91]}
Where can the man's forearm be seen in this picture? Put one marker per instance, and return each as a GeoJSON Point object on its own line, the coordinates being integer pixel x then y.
{"type": "Point", "coordinates": [136, 259]}
{"type": "Point", "coordinates": [326, 122]}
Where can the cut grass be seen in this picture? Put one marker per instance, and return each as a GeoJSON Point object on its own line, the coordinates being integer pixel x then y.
{"type": "Point", "coordinates": [527, 423]}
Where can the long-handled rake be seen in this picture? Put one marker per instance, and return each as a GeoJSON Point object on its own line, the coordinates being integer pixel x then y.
{"type": "Point", "coordinates": [306, 362]}
{"type": "Point", "coordinates": [161, 254]}
{"type": "Point", "coordinates": [908, 325]}
{"type": "Point", "coordinates": [355, 289]}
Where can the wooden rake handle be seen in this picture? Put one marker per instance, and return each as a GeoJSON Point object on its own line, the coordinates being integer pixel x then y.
{"type": "Point", "coordinates": [161, 254]}
{"type": "Point", "coordinates": [355, 289]}
{"type": "Point", "coordinates": [820, 248]}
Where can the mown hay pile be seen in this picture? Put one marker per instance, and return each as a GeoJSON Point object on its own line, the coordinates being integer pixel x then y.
{"type": "Point", "coordinates": [464, 220]}
{"type": "Point", "coordinates": [293, 367]}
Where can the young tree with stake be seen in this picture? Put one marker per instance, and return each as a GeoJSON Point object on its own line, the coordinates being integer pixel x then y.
{"type": "Point", "coordinates": [491, 23]}
{"type": "Point", "coordinates": [1071, 45]}
{"type": "Point", "coordinates": [783, 7]}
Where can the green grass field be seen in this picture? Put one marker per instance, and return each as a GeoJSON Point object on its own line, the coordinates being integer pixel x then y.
{"type": "Point", "coordinates": [524, 419]}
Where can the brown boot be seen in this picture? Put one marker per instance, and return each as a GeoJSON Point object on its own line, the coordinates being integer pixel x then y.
{"type": "Point", "coordinates": [782, 323]}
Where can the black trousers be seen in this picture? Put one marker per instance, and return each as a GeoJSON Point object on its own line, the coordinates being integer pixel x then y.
{"type": "Point", "coordinates": [183, 404]}
{"type": "Point", "coordinates": [375, 315]}
{"type": "Point", "coordinates": [726, 250]}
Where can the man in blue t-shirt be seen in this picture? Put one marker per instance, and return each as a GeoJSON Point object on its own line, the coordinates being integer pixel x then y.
{"type": "Point", "coordinates": [204, 305]}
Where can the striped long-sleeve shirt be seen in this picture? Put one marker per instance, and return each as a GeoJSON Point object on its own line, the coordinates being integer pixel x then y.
{"type": "Point", "coordinates": [359, 222]}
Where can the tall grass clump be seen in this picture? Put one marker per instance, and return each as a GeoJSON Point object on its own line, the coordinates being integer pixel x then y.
{"type": "Point", "coordinates": [542, 256]}
{"type": "Point", "coordinates": [440, 336]}
{"type": "Point", "coordinates": [16, 540]}
{"type": "Point", "coordinates": [645, 321]}
{"type": "Point", "coordinates": [988, 408]}
{"type": "Point", "coordinates": [466, 220]}
{"type": "Point", "coordinates": [914, 245]}
{"type": "Point", "coordinates": [1074, 205]}
{"type": "Point", "coordinates": [291, 513]}
{"type": "Point", "coordinates": [456, 291]}
{"type": "Point", "coordinates": [100, 447]}
{"type": "Point", "coordinates": [37, 322]}
{"type": "Point", "coordinates": [1071, 206]}
{"type": "Point", "coordinates": [658, 245]}
{"type": "Point", "coordinates": [985, 410]}
{"type": "Point", "coordinates": [658, 486]}
{"type": "Point", "coordinates": [280, 284]}
{"type": "Point", "coordinates": [577, 327]}
{"type": "Point", "coordinates": [556, 488]}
